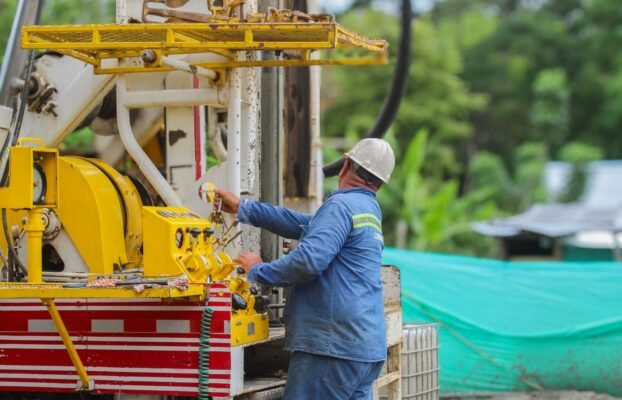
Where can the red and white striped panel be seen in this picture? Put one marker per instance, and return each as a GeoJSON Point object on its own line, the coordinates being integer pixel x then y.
{"type": "Point", "coordinates": [144, 346]}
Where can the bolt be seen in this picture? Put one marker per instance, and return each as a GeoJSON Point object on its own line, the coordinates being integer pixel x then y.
{"type": "Point", "coordinates": [149, 56]}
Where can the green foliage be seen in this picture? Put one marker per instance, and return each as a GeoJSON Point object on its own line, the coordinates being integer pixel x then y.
{"type": "Point", "coordinates": [510, 193]}
{"type": "Point", "coordinates": [499, 86]}
{"type": "Point", "coordinates": [429, 215]}
{"type": "Point", "coordinates": [550, 109]}
{"type": "Point", "coordinates": [7, 12]}
{"type": "Point", "coordinates": [61, 12]}
{"type": "Point", "coordinates": [423, 201]}
{"type": "Point", "coordinates": [496, 86]}
{"type": "Point", "coordinates": [79, 142]}
{"type": "Point", "coordinates": [57, 12]}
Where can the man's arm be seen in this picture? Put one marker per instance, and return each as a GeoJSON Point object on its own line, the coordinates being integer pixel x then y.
{"type": "Point", "coordinates": [279, 220]}
{"type": "Point", "coordinates": [323, 241]}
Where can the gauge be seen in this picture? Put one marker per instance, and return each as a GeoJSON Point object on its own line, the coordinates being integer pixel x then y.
{"type": "Point", "coordinates": [179, 238]}
{"type": "Point", "coordinates": [39, 183]}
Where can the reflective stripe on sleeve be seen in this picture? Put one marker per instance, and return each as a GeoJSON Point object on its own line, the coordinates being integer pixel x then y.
{"type": "Point", "coordinates": [364, 220]}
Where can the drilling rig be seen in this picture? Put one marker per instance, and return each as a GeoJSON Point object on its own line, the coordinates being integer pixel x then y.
{"type": "Point", "coordinates": [118, 276]}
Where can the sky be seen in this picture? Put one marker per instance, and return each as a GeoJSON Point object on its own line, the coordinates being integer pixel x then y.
{"type": "Point", "coordinates": [340, 5]}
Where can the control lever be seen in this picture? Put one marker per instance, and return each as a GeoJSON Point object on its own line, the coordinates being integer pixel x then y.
{"type": "Point", "coordinates": [238, 302]}
{"type": "Point", "coordinates": [194, 232]}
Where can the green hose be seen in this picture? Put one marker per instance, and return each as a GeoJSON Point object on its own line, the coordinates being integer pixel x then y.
{"type": "Point", "coordinates": [206, 324]}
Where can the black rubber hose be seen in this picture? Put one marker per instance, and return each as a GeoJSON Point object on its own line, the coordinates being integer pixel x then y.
{"type": "Point", "coordinates": [399, 84]}
{"type": "Point", "coordinates": [9, 244]}
{"type": "Point", "coordinates": [25, 94]}
{"type": "Point", "coordinates": [11, 139]}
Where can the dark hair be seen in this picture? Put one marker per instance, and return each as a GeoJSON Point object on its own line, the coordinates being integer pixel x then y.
{"type": "Point", "coordinates": [364, 174]}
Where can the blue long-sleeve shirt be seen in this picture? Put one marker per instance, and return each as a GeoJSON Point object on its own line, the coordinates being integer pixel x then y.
{"type": "Point", "coordinates": [335, 303]}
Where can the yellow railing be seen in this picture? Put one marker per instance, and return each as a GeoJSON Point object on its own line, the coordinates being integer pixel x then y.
{"type": "Point", "coordinates": [96, 43]}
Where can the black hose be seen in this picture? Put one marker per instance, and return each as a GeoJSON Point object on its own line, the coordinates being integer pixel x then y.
{"type": "Point", "coordinates": [399, 84]}
{"type": "Point", "coordinates": [10, 245]}
{"type": "Point", "coordinates": [25, 94]}
{"type": "Point", "coordinates": [11, 139]}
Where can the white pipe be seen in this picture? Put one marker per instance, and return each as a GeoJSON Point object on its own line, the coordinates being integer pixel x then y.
{"type": "Point", "coordinates": [234, 132]}
{"type": "Point", "coordinates": [193, 69]}
{"type": "Point", "coordinates": [145, 164]}
{"type": "Point", "coordinates": [12, 42]}
{"type": "Point", "coordinates": [176, 98]}
{"type": "Point", "coordinates": [317, 182]}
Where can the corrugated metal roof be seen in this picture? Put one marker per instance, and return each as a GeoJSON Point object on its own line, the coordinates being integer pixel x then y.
{"type": "Point", "coordinates": [599, 209]}
{"type": "Point", "coordinates": [552, 220]}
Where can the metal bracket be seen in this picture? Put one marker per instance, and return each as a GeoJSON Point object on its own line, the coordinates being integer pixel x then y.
{"type": "Point", "coordinates": [86, 383]}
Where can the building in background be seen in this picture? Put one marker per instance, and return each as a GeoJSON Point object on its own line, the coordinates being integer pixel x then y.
{"type": "Point", "coordinates": [586, 230]}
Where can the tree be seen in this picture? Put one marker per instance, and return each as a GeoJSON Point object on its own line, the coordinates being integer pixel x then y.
{"type": "Point", "coordinates": [430, 215]}
{"type": "Point", "coordinates": [437, 99]}
{"type": "Point", "coordinates": [550, 108]}
{"type": "Point", "coordinates": [7, 13]}
{"type": "Point", "coordinates": [57, 12]}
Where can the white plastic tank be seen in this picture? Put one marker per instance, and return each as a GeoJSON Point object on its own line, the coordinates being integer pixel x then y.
{"type": "Point", "coordinates": [420, 368]}
{"type": "Point", "coordinates": [419, 363]}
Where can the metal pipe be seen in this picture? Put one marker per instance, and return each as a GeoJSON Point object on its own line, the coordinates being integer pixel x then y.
{"type": "Point", "coordinates": [71, 350]}
{"type": "Point", "coordinates": [11, 45]}
{"type": "Point", "coordinates": [193, 69]}
{"type": "Point", "coordinates": [316, 191]}
{"type": "Point", "coordinates": [234, 132]}
{"type": "Point", "coordinates": [34, 234]}
{"type": "Point", "coordinates": [176, 98]}
{"type": "Point", "coordinates": [143, 161]}
{"type": "Point", "coordinates": [271, 172]}
{"type": "Point", "coordinates": [28, 12]}
{"type": "Point", "coordinates": [233, 165]}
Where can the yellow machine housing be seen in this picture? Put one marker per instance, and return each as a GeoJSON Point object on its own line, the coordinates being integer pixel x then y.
{"type": "Point", "coordinates": [176, 241]}
{"type": "Point", "coordinates": [92, 214]}
{"type": "Point", "coordinates": [103, 215]}
{"type": "Point", "coordinates": [19, 195]}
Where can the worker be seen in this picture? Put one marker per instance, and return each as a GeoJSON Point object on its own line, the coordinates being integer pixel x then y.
{"type": "Point", "coordinates": [334, 317]}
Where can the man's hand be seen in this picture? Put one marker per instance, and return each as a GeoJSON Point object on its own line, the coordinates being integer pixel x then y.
{"type": "Point", "coordinates": [247, 260]}
{"type": "Point", "coordinates": [230, 201]}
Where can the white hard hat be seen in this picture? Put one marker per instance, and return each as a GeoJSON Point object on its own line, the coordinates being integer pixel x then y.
{"type": "Point", "coordinates": [375, 156]}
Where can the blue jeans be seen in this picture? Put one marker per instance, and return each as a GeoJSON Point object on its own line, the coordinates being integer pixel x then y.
{"type": "Point", "coordinates": [312, 377]}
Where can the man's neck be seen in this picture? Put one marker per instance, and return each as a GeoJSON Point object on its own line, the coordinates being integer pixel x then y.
{"type": "Point", "coordinates": [356, 183]}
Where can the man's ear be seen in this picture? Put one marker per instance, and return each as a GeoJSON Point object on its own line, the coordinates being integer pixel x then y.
{"type": "Point", "coordinates": [345, 168]}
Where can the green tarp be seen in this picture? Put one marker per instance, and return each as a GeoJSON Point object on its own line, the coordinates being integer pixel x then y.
{"type": "Point", "coordinates": [517, 326]}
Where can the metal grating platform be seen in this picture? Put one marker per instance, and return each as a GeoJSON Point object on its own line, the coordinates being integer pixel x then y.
{"type": "Point", "coordinates": [95, 43]}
